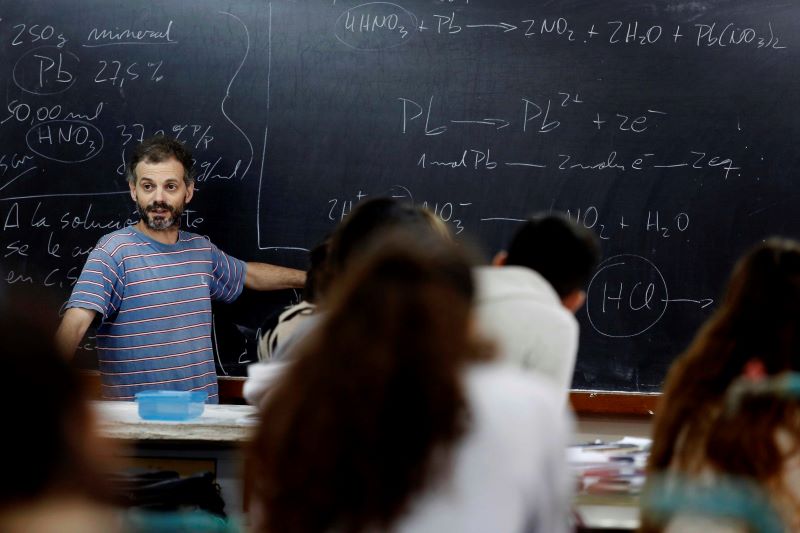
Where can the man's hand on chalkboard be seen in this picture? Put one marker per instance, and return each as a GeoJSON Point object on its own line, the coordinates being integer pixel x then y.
{"type": "Point", "coordinates": [72, 329]}
{"type": "Point", "coordinates": [266, 277]}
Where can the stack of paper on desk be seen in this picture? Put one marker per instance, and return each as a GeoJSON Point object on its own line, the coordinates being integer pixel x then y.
{"type": "Point", "coordinates": [610, 467]}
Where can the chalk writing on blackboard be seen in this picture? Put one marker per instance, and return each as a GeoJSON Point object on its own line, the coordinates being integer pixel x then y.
{"type": "Point", "coordinates": [382, 25]}
{"type": "Point", "coordinates": [667, 129]}
{"type": "Point", "coordinates": [628, 295]}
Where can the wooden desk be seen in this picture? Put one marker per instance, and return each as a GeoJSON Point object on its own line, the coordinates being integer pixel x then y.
{"type": "Point", "coordinates": [214, 441]}
{"type": "Point", "coordinates": [607, 514]}
{"type": "Point", "coordinates": [210, 443]}
{"type": "Point", "coordinates": [219, 424]}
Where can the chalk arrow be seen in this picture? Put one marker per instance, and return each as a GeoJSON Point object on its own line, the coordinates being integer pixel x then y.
{"type": "Point", "coordinates": [499, 123]}
{"type": "Point", "coordinates": [703, 303]}
{"type": "Point", "coordinates": [506, 27]}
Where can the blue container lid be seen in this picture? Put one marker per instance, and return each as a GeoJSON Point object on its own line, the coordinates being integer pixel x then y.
{"type": "Point", "coordinates": [170, 405]}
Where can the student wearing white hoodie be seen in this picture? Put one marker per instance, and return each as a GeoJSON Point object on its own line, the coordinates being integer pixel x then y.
{"type": "Point", "coordinates": [527, 299]}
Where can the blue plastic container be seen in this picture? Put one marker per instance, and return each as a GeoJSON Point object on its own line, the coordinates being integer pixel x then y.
{"type": "Point", "coordinates": [171, 405]}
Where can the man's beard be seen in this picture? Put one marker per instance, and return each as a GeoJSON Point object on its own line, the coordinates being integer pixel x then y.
{"type": "Point", "coordinates": [160, 222]}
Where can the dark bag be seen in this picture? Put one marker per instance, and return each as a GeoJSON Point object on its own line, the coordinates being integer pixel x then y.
{"type": "Point", "coordinates": [167, 491]}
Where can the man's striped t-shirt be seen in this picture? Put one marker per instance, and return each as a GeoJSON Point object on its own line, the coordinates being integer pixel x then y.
{"type": "Point", "coordinates": [155, 302]}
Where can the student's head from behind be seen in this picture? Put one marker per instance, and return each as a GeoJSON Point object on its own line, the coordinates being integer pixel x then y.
{"type": "Point", "coordinates": [760, 312]}
{"type": "Point", "coordinates": [561, 251]}
{"type": "Point", "coordinates": [161, 181]}
{"type": "Point", "coordinates": [373, 400]}
{"type": "Point", "coordinates": [368, 221]}
{"type": "Point", "coordinates": [49, 446]}
{"type": "Point", "coordinates": [769, 409]}
{"type": "Point", "coordinates": [436, 223]}
{"type": "Point", "coordinates": [752, 442]}
{"type": "Point", "coordinates": [755, 332]}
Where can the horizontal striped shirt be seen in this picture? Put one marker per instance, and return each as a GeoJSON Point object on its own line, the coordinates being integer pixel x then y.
{"type": "Point", "coordinates": [155, 303]}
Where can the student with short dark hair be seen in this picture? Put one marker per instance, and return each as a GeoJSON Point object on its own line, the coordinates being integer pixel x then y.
{"type": "Point", "coordinates": [563, 252]}
{"type": "Point", "coordinates": [526, 300]}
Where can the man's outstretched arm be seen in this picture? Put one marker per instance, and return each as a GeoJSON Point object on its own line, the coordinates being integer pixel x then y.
{"type": "Point", "coordinates": [72, 329]}
{"type": "Point", "coordinates": [266, 277]}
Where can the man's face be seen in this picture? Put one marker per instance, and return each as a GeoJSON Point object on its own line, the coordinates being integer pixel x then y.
{"type": "Point", "coordinates": [160, 193]}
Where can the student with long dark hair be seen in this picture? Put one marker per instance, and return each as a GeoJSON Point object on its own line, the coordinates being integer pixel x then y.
{"type": "Point", "coordinates": [393, 417]}
{"type": "Point", "coordinates": [754, 333]}
{"type": "Point", "coordinates": [53, 472]}
{"type": "Point", "coordinates": [57, 469]}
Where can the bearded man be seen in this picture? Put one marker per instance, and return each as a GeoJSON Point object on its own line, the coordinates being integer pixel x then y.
{"type": "Point", "coordinates": [152, 285]}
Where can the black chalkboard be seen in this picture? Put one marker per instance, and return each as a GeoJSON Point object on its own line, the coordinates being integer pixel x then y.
{"type": "Point", "coordinates": [669, 127]}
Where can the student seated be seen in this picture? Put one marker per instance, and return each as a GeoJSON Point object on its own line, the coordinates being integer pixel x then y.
{"type": "Point", "coordinates": [54, 465]}
{"type": "Point", "coordinates": [56, 468]}
{"type": "Point", "coordinates": [393, 418]}
{"type": "Point", "coordinates": [754, 333]}
{"type": "Point", "coordinates": [527, 300]}
{"type": "Point", "coordinates": [282, 325]}
{"type": "Point", "coordinates": [366, 222]}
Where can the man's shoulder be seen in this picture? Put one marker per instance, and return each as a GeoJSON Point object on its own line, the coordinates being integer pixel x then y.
{"type": "Point", "coordinates": [110, 243]}
{"type": "Point", "coordinates": [511, 274]}
{"type": "Point", "coordinates": [189, 236]}
{"type": "Point", "coordinates": [514, 283]}
{"type": "Point", "coordinates": [519, 298]}
{"type": "Point", "coordinates": [187, 239]}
